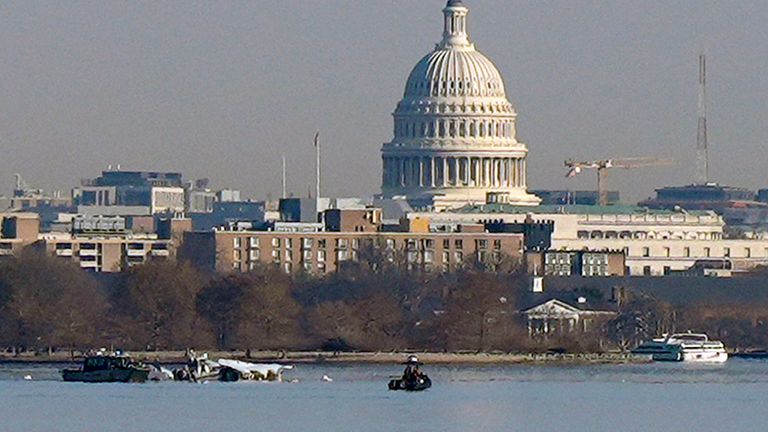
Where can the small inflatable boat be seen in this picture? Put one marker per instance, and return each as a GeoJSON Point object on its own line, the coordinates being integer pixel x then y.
{"type": "Point", "coordinates": [414, 385]}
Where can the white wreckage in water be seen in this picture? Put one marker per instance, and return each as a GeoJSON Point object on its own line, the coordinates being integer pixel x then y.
{"type": "Point", "coordinates": [201, 368]}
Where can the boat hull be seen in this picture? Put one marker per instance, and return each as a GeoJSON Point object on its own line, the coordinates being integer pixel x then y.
{"type": "Point", "coordinates": [420, 385]}
{"type": "Point", "coordinates": [106, 376]}
{"type": "Point", "coordinates": [692, 357]}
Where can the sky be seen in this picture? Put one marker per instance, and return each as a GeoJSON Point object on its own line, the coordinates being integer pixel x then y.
{"type": "Point", "coordinates": [223, 89]}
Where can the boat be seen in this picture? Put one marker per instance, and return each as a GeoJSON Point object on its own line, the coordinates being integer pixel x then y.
{"type": "Point", "coordinates": [684, 347]}
{"type": "Point", "coordinates": [420, 384]}
{"type": "Point", "coordinates": [413, 379]}
{"type": "Point", "coordinates": [105, 367]}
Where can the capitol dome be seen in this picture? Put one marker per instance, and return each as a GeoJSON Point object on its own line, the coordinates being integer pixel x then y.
{"type": "Point", "coordinates": [454, 137]}
{"type": "Point", "coordinates": [452, 72]}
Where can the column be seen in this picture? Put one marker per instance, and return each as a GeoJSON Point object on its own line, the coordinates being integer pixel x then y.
{"type": "Point", "coordinates": [444, 178]}
{"type": "Point", "coordinates": [420, 163]}
{"type": "Point", "coordinates": [456, 178]}
{"type": "Point", "coordinates": [508, 169]}
{"type": "Point", "coordinates": [433, 171]}
{"type": "Point", "coordinates": [523, 177]}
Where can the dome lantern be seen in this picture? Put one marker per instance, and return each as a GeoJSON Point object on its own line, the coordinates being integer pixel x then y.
{"type": "Point", "coordinates": [455, 25]}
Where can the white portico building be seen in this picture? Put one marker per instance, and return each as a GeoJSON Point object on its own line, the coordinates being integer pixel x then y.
{"type": "Point", "coordinates": [454, 136]}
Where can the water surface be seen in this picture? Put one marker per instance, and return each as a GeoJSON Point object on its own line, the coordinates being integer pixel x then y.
{"type": "Point", "coordinates": [640, 397]}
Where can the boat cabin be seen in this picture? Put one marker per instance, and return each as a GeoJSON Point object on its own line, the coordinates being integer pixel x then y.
{"type": "Point", "coordinates": [103, 362]}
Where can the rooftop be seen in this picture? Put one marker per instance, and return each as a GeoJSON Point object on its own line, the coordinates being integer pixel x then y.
{"type": "Point", "coordinates": [576, 209]}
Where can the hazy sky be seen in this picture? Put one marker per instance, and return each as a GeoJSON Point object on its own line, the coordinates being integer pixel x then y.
{"type": "Point", "coordinates": [222, 89]}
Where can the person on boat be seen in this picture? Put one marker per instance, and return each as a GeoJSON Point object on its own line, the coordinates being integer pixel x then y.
{"type": "Point", "coordinates": [412, 372]}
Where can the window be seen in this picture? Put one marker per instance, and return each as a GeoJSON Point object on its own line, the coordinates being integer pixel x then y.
{"type": "Point", "coordinates": [237, 242]}
{"type": "Point", "coordinates": [306, 243]}
{"type": "Point", "coordinates": [287, 255]}
{"type": "Point", "coordinates": [321, 256]}
{"type": "Point", "coordinates": [497, 244]}
{"type": "Point", "coordinates": [646, 252]}
{"type": "Point", "coordinates": [288, 267]}
{"type": "Point", "coordinates": [446, 244]}
{"type": "Point", "coordinates": [321, 243]}
{"type": "Point", "coordinates": [275, 242]}
{"type": "Point", "coordinates": [342, 255]}
{"type": "Point", "coordinates": [707, 252]}
{"type": "Point", "coordinates": [481, 244]}
{"type": "Point", "coordinates": [646, 270]}
{"type": "Point", "coordinates": [355, 243]}
{"type": "Point", "coordinates": [428, 244]}
{"type": "Point", "coordinates": [687, 252]}
{"type": "Point", "coordinates": [236, 256]}
{"type": "Point", "coordinates": [288, 243]}
{"type": "Point", "coordinates": [341, 243]}
{"type": "Point", "coordinates": [458, 244]}
{"type": "Point", "coordinates": [307, 255]}
{"type": "Point", "coordinates": [255, 254]}
{"type": "Point", "coordinates": [666, 251]}
{"type": "Point", "coordinates": [390, 243]}
{"type": "Point", "coordinates": [321, 268]}
{"type": "Point", "coordinates": [446, 256]}
{"type": "Point", "coordinates": [429, 256]}
{"type": "Point", "coordinates": [254, 242]}
{"type": "Point", "coordinates": [459, 256]}
{"type": "Point", "coordinates": [727, 252]}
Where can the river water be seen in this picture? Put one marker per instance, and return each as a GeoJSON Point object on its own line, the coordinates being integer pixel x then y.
{"type": "Point", "coordinates": [637, 397]}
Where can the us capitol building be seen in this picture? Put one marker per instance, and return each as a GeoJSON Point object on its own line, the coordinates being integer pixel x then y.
{"type": "Point", "coordinates": [454, 137]}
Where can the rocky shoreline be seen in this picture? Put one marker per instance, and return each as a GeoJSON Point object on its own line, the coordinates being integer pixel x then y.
{"type": "Point", "coordinates": [470, 358]}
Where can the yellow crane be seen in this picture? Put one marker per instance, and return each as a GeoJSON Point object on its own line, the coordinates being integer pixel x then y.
{"type": "Point", "coordinates": [602, 167]}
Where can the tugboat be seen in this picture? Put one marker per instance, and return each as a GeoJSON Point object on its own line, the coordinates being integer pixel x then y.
{"type": "Point", "coordinates": [103, 368]}
{"type": "Point", "coordinates": [413, 379]}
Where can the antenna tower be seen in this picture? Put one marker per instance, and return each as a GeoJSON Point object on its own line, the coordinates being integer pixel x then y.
{"type": "Point", "coordinates": [702, 149]}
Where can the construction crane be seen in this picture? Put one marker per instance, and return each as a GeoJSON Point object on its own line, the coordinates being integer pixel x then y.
{"type": "Point", "coordinates": [602, 167]}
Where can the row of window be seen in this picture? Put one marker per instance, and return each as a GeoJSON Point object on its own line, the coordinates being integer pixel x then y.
{"type": "Point", "coordinates": [706, 252]}
{"type": "Point", "coordinates": [454, 129]}
{"type": "Point", "coordinates": [449, 87]}
{"type": "Point", "coordinates": [342, 243]}
{"type": "Point", "coordinates": [650, 235]}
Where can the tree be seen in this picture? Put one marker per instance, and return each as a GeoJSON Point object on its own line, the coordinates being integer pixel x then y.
{"type": "Point", "coordinates": [255, 310]}
{"type": "Point", "coordinates": [641, 317]}
{"type": "Point", "coordinates": [47, 302]}
{"type": "Point", "coordinates": [156, 306]}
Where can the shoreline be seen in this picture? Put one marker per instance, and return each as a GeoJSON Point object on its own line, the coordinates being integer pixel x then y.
{"type": "Point", "coordinates": [322, 357]}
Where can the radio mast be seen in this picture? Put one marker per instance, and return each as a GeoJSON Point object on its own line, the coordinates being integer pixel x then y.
{"type": "Point", "coordinates": [702, 150]}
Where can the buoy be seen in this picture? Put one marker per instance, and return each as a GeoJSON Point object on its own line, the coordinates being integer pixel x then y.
{"type": "Point", "coordinates": [326, 378]}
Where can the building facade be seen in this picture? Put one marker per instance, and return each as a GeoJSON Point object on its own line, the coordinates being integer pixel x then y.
{"type": "Point", "coordinates": [653, 242]}
{"type": "Point", "coordinates": [107, 252]}
{"type": "Point", "coordinates": [454, 130]}
{"type": "Point", "coordinates": [324, 252]}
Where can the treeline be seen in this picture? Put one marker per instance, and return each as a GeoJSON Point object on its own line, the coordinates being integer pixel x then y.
{"type": "Point", "coordinates": [373, 304]}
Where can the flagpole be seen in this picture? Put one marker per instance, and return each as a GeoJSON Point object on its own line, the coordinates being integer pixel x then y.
{"type": "Point", "coordinates": [285, 186]}
{"type": "Point", "coordinates": [317, 165]}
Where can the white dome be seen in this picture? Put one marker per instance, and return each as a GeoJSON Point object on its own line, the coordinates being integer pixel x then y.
{"type": "Point", "coordinates": [454, 139]}
{"type": "Point", "coordinates": [454, 72]}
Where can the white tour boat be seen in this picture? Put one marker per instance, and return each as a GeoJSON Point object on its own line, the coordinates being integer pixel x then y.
{"type": "Point", "coordinates": [684, 347]}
